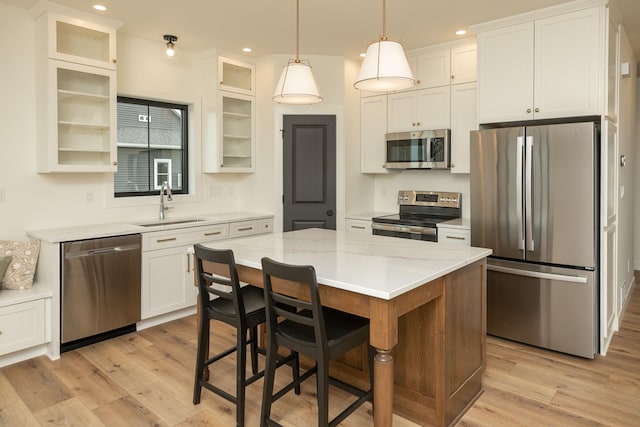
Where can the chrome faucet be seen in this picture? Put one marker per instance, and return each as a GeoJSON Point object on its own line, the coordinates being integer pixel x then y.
{"type": "Point", "coordinates": [165, 187]}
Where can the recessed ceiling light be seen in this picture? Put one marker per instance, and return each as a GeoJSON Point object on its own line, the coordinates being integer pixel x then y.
{"type": "Point", "coordinates": [362, 55]}
{"type": "Point", "coordinates": [461, 32]}
{"type": "Point", "coordinates": [100, 7]}
{"type": "Point", "coordinates": [246, 49]}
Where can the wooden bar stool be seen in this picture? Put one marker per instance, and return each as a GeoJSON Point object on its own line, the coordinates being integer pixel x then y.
{"type": "Point", "coordinates": [241, 307]}
{"type": "Point", "coordinates": [317, 332]}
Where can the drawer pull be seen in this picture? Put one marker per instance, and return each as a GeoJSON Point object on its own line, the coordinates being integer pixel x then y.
{"type": "Point", "coordinates": [456, 238]}
{"type": "Point", "coordinates": [245, 229]}
{"type": "Point", "coordinates": [213, 233]}
{"type": "Point", "coordinates": [359, 227]}
{"type": "Point", "coordinates": [166, 240]}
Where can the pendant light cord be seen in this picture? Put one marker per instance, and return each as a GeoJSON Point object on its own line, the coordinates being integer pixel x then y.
{"type": "Point", "coordinates": [297, 31]}
{"type": "Point", "coordinates": [384, 20]}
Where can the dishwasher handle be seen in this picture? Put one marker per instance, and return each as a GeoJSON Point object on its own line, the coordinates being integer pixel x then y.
{"type": "Point", "coordinates": [102, 251]}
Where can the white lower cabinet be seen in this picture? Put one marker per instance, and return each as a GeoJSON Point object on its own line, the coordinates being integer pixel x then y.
{"type": "Point", "coordinates": [168, 262]}
{"type": "Point", "coordinates": [167, 277]}
{"type": "Point", "coordinates": [22, 326]}
{"type": "Point", "coordinates": [359, 226]}
{"type": "Point", "coordinates": [167, 267]}
{"type": "Point", "coordinates": [454, 236]}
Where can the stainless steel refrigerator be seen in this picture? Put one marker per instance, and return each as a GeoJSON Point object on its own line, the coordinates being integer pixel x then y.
{"type": "Point", "coordinates": [534, 201]}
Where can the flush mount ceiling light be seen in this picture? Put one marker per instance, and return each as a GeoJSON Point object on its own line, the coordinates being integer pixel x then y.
{"type": "Point", "coordinates": [385, 66]}
{"type": "Point", "coordinates": [170, 44]}
{"type": "Point", "coordinates": [297, 85]}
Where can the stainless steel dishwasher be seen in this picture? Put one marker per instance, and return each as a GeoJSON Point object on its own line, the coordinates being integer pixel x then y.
{"type": "Point", "coordinates": [100, 288]}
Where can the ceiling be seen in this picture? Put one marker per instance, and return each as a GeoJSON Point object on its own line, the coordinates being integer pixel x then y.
{"type": "Point", "coordinates": [327, 27]}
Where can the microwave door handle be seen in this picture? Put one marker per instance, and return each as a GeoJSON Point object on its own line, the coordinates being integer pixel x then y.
{"type": "Point", "coordinates": [528, 198]}
{"type": "Point", "coordinates": [518, 181]}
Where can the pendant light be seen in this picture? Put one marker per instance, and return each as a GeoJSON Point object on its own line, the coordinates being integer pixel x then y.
{"type": "Point", "coordinates": [297, 84]}
{"type": "Point", "coordinates": [385, 65]}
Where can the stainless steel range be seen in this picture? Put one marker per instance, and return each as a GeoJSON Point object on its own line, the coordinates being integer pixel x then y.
{"type": "Point", "coordinates": [420, 212]}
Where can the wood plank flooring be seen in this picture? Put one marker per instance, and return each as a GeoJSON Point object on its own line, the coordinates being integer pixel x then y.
{"type": "Point", "coordinates": [146, 379]}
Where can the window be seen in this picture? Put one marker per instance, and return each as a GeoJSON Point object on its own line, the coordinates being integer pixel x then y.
{"type": "Point", "coordinates": [152, 147]}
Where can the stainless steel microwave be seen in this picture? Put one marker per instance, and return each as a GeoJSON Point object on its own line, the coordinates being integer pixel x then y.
{"type": "Point", "coordinates": [425, 149]}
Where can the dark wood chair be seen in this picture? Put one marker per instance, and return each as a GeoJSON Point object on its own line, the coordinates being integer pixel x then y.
{"type": "Point", "coordinates": [317, 332]}
{"type": "Point", "coordinates": [240, 306]}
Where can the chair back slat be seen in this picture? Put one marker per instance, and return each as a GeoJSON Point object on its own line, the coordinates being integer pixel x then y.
{"type": "Point", "coordinates": [213, 282]}
{"type": "Point", "coordinates": [308, 314]}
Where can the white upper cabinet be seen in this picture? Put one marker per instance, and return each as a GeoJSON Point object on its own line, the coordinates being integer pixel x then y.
{"type": "Point", "coordinates": [373, 127]}
{"type": "Point", "coordinates": [229, 111]}
{"type": "Point", "coordinates": [82, 42]}
{"type": "Point", "coordinates": [234, 151]}
{"type": "Point", "coordinates": [464, 119]}
{"type": "Point", "coordinates": [236, 76]}
{"type": "Point", "coordinates": [548, 68]}
{"type": "Point", "coordinates": [464, 64]}
{"type": "Point", "coordinates": [431, 69]}
{"type": "Point", "coordinates": [76, 77]}
{"type": "Point", "coordinates": [505, 73]}
{"type": "Point", "coordinates": [419, 110]}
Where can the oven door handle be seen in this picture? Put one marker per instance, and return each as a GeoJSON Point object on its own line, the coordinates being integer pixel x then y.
{"type": "Point", "coordinates": [428, 231]}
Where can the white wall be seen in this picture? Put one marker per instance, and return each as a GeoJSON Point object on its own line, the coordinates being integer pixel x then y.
{"type": "Point", "coordinates": [627, 147]}
{"type": "Point", "coordinates": [35, 201]}
{"type": "Point", "coordinates": [387, 186]}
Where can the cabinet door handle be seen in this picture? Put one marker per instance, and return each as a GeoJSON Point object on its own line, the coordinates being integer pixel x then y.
{"type": "Point", "coordinates": [455, 238]}
{"type": "Point", "coordinates": [188, 262]}
{"type": "Point", "coordinates": [213, 233]}
{"type": "Point", "coordinates": [528, 110]}
{"type": "Point", "coordinates": [170, 239]}
{"type": "Point", "coordinates": [537, 110]}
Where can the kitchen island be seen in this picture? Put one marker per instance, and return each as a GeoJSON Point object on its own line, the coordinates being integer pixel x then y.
{"type": "Point", "coordinates": [426, 304]}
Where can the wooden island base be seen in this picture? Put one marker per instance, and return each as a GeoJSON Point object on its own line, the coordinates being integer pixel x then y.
{"type": "Point", "coordinates": [439, 360]}
{"type": "Point", "coordinates": [430, 343]}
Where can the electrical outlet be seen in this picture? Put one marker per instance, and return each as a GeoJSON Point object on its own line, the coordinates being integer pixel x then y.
{"type": "Point", "coordinates": [2, 195]}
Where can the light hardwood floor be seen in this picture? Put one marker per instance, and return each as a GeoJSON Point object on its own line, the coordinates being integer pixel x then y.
{"type": "Point", "coordinates": [146, 379]}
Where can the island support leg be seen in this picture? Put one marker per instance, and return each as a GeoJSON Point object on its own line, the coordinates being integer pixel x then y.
{"type": "Point", "coordinates": [383, 380]}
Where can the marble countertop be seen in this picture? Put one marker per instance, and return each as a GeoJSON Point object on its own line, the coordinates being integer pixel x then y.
{"type": "Point", "coordinates": [378, 266]}
{"type": "Point", "coordinates": [92, 231]}
{"type": "Point", "coordinates": [463, 223]}
{"type": "Point", "coordinates": [367, 215]}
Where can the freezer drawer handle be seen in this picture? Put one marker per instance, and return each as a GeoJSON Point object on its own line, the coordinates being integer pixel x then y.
{"type": "Point", "coordinates": [536, 274]}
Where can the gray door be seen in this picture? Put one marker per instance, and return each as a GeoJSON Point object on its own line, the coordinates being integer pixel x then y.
{"type": "Point", "coordinates": [309, 173]}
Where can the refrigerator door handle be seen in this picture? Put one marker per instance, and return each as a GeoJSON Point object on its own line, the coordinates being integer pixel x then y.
{"type": "Point", "coordinates": [537, 274]}
{"type": "Point", "coordinates": [520, 144]}
{"type": "Point", "coordinates": [528, 211]}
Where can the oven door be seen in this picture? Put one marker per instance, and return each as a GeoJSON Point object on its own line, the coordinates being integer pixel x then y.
{"type": "Point", "coordinates": [429, 234]}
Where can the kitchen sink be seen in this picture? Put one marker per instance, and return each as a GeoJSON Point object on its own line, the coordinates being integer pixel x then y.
{"type": "Point", "coordinates": [164, 222]}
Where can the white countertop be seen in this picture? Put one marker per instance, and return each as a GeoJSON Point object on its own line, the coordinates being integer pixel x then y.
{"type": "Point", "coordinates": [67, 234]}
{"type": "Point", "coordinates": [378, 266]}
{"type": "Point", "coordinates": [368, 215]}
{"type": "Point", "coordinates": [462, 223]}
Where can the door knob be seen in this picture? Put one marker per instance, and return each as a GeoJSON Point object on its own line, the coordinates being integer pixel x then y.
{"type": "Point", "coordinates": [329, 212]}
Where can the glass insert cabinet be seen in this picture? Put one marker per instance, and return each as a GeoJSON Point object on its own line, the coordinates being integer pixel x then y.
{"type": "Point", "coordinates": [230, 120]}
{"type": "Point", "coordinates": [76, 75]}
